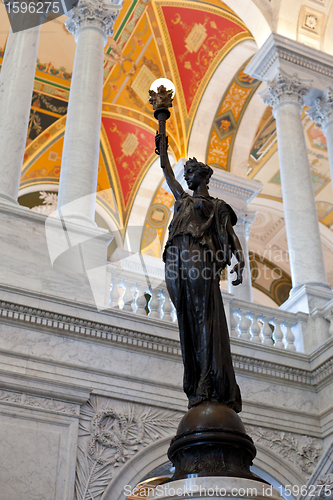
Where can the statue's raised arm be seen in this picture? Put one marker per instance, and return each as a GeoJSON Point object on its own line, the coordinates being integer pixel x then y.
{"type": "Point", "coordinates": [173, 184]}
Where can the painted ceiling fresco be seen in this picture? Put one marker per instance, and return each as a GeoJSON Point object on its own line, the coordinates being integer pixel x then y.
{"type": "Point", "coordinates": [228, 118]}
{"type": "Point", "coordinates": [183, 41]}
{"type": "Point", "coordinates": [264, 164]}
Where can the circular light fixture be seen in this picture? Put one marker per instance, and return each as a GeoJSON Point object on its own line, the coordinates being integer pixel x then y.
{"type": "Point", "coordinates": [165, 82]}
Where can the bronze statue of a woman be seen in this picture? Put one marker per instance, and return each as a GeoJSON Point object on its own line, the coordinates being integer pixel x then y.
{"type": "Point", "coordinates": [200, 244]}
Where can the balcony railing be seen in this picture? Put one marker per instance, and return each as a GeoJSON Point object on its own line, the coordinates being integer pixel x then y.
{"type": "Point", "coordinates": [132, 292]}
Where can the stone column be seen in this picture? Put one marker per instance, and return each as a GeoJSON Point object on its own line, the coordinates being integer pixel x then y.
{"type": "Point", "coordinates": [16, 87]}
{"type": "Point", "coordinates": [321, 112]}
{"type": "Point", "coordinates": [91, 23]}
{"type": "Point", "coordinates": [242, 229]}
{"type": "Point", "coordinates": [285, 94]}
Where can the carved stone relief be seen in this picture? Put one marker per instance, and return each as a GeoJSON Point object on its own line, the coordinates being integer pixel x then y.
{"type": "Point", "coordinates": [110, 434]}
{"type": "Point", "coordinates": [36, 402]}
{"type": "Point", "coordinates": [303, 452]}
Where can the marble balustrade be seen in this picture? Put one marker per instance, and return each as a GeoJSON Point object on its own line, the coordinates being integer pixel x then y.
{"type": "Point", "coordinates": [250, 322]}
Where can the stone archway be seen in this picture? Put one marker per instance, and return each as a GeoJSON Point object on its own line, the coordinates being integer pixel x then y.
{"type": "Point", "coordinates": [253, 17]}
{"type": "Point", "coordinates": [135, 469]}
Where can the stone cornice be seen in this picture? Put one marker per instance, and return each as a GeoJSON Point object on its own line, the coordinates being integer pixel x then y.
{"type": "Point", "coordinates": [281, 53]}
{"type": "Point", "coordinates": [31, 401]}
{"type": "Point", "coordinates": [60, 323]}
{"type": "Point", "coordinates": [247, 189]}
{"type": "Point", "coordinates": [235, 190]}
{"type": "Point", "coordinates": [124, 337]}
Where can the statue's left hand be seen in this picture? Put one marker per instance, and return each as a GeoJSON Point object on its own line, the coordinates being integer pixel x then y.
{"type": "Point", "coordinates": [238, 268]}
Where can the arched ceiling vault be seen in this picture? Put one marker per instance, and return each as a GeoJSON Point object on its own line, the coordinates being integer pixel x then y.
{"type": "Point", "coordinates": [203, 47]}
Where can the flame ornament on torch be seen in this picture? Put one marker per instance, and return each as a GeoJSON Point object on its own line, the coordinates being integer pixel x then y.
{"type": "Point", "coordinates": [160, 97]}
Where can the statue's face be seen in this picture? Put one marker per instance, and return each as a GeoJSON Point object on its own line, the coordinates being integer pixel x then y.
{"type": "Point", "coordinates": [192, 176]}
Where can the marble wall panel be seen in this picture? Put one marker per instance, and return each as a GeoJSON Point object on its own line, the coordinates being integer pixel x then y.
{"type": "Point", "coordinates": [38, 451]}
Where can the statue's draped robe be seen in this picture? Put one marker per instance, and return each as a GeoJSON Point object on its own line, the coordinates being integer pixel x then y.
{"type": "Point", "coordinates": [197, 250]}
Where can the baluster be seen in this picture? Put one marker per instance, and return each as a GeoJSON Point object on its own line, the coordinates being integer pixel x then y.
{"type": "Point", "coordinates": [121, 289]}
{"type": "Point", "coordinates": [114, 294]}
{"type": "Point", "coordinates": [141, 300]}
{"type": "Point", "coordinates": [173, 312]}
{"type": "Point", "coordinates": [243, 326]}
{"type": "Point", "coordinates": [289, 336]}
{"type": "Point", "coordinates": [127, 297]}
{"type": "Point", "coordinates": [255, 328]}
{"type": "Point", "coordinates": [278, 334]}
{"type": "Point", "coordinates": [238, 319]}
{"type": "Point", "coordinates": [167, 306]}
{"type": "Point", "coordinates": [154, 305]}
{"type": "Point", "coordinates": [266, 331]}
{"type": "Point", "coordinates": [161, 300]}
{"type": "Point", "coordinates": [233, 324]}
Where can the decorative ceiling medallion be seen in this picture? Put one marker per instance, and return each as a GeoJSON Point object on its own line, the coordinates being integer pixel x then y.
{"type": "Point", "coordinates": [311, 22]}
{"type": "Point", "coordinates": [196, 38]}
{"type": "Point", "coordinates": [224, 124]}
{"type": "Point", "coordinates": [129, 145]}
{"type": "Point", "coordinates": [142, 83]}
{"type": "Point", "coordinates": [157, 215]}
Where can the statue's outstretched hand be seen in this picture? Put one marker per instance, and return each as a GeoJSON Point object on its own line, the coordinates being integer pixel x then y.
{"type": "Point", "coordinates": [158, 142]}
{"type": "Point", "coordinates": [238, 268]}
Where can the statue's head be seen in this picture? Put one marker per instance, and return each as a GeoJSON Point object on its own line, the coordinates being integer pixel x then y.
{"type": "Point", "coordinates": [203, 170]}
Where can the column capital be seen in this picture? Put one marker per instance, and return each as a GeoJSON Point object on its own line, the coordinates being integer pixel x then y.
{"type": "Point", "coordinates": [96, 14]}
{"type": "Point", "coordinates": [285, 88]}
{"type": "Point", "coordinates": [321, 112]}
{"type": "Point", "coordinates": [245, 219]}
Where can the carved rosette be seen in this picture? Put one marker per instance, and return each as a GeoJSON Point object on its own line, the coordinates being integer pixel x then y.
{"type": "Point", "coordinates": [95, 14]}
{"type": "Point", "coordinates": [322, 110]}
{"type": "Point", "coordinates": [285, 89]}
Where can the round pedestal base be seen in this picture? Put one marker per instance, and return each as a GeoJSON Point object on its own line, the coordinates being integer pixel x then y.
{"type": "Point", "coordinates": [211, 441]}
{"type": "Point", "coordinates": [208, 488]}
